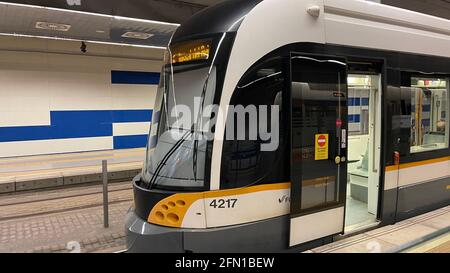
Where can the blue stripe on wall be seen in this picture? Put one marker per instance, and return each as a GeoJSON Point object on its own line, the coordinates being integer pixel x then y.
{"type": "Point", "coordinates": [354, 101]}
{"type": "Point", "coordinates": [75, 124]}
{"type": "Point", "coordinates": [365, 101]}
{"type": "Point", "coordinates": [354, 118]}
{"type": "Point", "coordinates": [358, 101]}
{"type": "Point", "coordinates": [130, 142]}
{"type": "Point", "coordinates": [120, 116]}
{"type": "Point", "coordinates": [130, 77]}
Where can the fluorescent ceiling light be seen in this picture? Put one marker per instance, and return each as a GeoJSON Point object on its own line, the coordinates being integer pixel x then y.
{"type": "Point", "coordinates": [137, 35]}
{"type": "Point", "coordinates": [78, 40]}
{"type": "Point", "coordinates": [144, 21]}
{"type": "Point", "coordinates": [53, 26]}
{"type": "Point", "coordinates": [91, 14]}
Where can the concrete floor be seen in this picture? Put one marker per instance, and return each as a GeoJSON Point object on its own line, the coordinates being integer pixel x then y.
{"type": "Point", "coordinates": [391, 238]}
{"type": "Point", "coordinates": [57, 220]}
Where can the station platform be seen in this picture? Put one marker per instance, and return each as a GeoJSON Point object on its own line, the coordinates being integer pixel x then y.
{"type": "Point", "coordinates": [57, 219]}
{"type": "Point", "coordinates": [440, 244]}
{"type": "Point", "coordinates": [50, 171]}
{"type": "Point", "coordinates": [415, 234]}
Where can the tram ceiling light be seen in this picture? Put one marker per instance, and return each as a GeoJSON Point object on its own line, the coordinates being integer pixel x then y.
{"type": "Point", "coordinates": [53, 26]}
{"type": "Point", "coordinates": [137, 35]}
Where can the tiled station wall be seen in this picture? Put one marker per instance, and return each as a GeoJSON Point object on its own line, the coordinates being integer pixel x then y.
{"type": "Point", "coordinates": [61, 103]}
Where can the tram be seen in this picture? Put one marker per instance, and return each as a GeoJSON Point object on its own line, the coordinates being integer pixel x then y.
{"type": "Point", "coordinates": [361, 127]}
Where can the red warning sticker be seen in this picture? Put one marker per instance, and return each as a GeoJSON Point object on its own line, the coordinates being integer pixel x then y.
{"type": "Point", "coordinates": [322, 140]}
{"type": "Point", "coordinates": [321, 151]}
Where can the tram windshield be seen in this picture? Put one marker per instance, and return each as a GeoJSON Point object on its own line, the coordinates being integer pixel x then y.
{"type": "Point", "coordinates": [179, 134]}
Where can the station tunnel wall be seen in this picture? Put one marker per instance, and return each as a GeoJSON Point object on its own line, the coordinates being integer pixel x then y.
{"type": "Point", "coordinates": [61, 103]}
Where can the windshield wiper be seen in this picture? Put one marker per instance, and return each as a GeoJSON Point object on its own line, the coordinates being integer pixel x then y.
{"type": "Point", "coordinates": [163, 162]}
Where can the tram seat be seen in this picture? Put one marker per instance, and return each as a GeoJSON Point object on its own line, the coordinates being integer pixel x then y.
{"type": "Point", "coordinates": [359, 179]}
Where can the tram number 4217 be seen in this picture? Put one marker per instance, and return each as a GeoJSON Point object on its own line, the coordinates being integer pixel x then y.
{"type": "Point", "coordinates": [223, 203]}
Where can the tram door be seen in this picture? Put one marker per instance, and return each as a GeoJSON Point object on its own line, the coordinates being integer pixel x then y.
{"type": "Point", "coordinates": [318, 147]}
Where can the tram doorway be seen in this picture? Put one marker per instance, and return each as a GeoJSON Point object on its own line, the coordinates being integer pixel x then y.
{"type": "Point", "coordinates": [364, 149]}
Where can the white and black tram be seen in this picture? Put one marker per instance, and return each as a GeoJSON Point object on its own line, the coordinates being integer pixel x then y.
{"type": "Point", "coordinates": [362, 91]}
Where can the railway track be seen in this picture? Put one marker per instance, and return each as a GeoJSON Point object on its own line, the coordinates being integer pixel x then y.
{"type": "Point", "coordinates": [56, 220]}
{"type": "Point", "coordinates": [26, 205]}
{"type": "Point", "coordinates": [57, 198]}
{"type": "Point", "coordinates": [61, 210]}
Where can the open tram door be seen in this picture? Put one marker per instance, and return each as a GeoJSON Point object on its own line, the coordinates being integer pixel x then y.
{"type": "Point", "coordinates": [318, 96]}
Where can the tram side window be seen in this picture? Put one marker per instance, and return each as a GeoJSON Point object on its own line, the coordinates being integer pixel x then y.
{"type": "Point", "coordinates": [243, 161]}
{"type": "Point", "coordinates": [429, 113]}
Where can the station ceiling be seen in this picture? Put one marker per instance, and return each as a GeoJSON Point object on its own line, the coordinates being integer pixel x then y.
{"type": "Point", "coordinates": [173, 11]}
{"type": "Point", "coordinates": [106, 23]}
{"type": "Point", "coordinates": [111, 21]}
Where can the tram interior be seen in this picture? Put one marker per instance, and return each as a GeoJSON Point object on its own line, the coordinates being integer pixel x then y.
{"type": "Point", "coordinates": [429, 125]}
{"type": "Point", "coordinates": [363, 150]}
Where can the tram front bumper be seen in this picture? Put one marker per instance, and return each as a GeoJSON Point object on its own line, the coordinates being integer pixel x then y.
{"type": "Point", "coordinates": [268, 235]}
{"type": "Point", "coordinates": [143, 237]}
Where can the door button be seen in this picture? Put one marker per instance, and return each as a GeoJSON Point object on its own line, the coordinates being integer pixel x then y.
{"type": "Point", "coordinates": [337, 159]}
{"type": "Point", "coordinates": [343, 159]}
